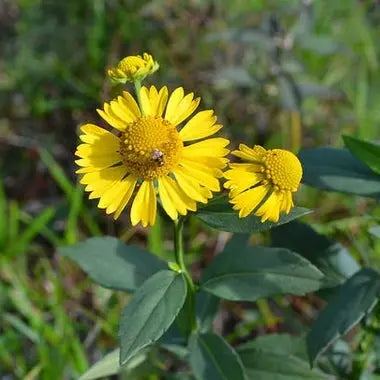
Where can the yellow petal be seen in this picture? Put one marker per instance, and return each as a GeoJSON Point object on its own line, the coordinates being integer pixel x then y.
{"type": "Point", "coordinates": [192, 188]}
{"type": "Point", "coordinates": [240, 180]}
{"type": "Point", "coordinates": [184, 109]}
{"type": "Point", "coordinates": [174, 100]}
{"type": "Point", "coordinates": [210, 147]}
{"type": "Point", "coordinates": [97, 162]}
{"type": "Point", "coordinates": [144, 205]}
{"type": "Point", "coordinates": [112, 197]}
{"type": "Point", "coordinates": [154, 102]}
{"type": "Point", "coordinates": [287, 202]}
{"type": "Point", "coordinates": [100, 181]}
{"type": "Point", "coordinates": [111, 118]}
{"type": "Point", "coordinates": [131, 104]}
{"type": "Point", "coordinates": [145, 101]}
{"type": "Point", "coordinates": [92, 134]}
{"type": "Point", "coordinates": [208, 161]}
{"type": "Point", "coordinates": [270, 209]}
{"type": "Point", "coordinates": [203, 177]}
{"type": "Point", "coordinates": [256, 154]}
{"type": "Point", "coordinates": [200, 126]}
{"type": "Point", "coordinates": [247, 201]}
{"type": "Point", "coordinates": [161, 101]}
{"type": "Point", "coordinates": [173, 198]}
{"type": "Point", "coordinates": [121, 111]}
{"type": "Point", "coordinates": [203, 166]}
{"type": "Point", "coordinates": [130, 183]}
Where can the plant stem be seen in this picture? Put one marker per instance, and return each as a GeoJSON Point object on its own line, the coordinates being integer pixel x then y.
{"type": "Point", "coordinates": [137, 85]}
{"type": "Point", "coordinates": [179, 257]}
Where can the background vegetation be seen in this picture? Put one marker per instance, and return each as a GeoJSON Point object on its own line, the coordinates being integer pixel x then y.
{"type": "Point", "coordinates": [285, 73]}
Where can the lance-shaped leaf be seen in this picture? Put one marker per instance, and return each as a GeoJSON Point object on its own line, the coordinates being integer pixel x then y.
{"type": "Point", "coordinates": [277, 356]}
{"type": "Point", "coordinates": [367, 152]}
{"type": "Point", "coordinates": [352, 301]}
{"type": "Point", "coordinates": [109, 365]}
{"type": "Point", "coordinates": [219, 215]}
{"type": "Point", "coordinates": [113, 264]}
{"type": "Point", "coordinates": [338, 170]}
{"type": "Point", "coordinates": [330, 257]}
{"type": "Point", "coordinates": [150, 312]}
{"type": "Point", "coordinates": [249, 273]}
{"type": "Point", "coordinates": [212, 358]}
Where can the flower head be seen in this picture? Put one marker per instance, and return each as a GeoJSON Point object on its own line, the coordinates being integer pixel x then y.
{"type": "Point", "coordinates": [264, 183]}
{"type": "Point", "coordinates": [150, 155]}
{"type": "Point", "coordinates": [133, 68]}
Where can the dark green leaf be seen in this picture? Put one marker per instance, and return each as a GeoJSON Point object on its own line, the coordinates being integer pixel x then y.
{"type": "Point", "coordinates": [249, 273]}
{"type": "Point", "coordinates": [277, 357]}
{"type": "Point", "coordinates": [113, 264]}
{"type": "Point", "coordinates": [212, 358]}
{"type": "Point", "coordinates": [150, 312]}
{"type": "Point", "coordinates": [338, 170]}
{"type": "Point", "coordinates": [367, 152]}
{"type": "Point", "coordinates": [331, 258]}
{"type": "Point", "coordinates": [375, 231]}
{"type": "Point", "coordinates": [219, 215]}
{"type": "Point", "coordinates": [206, 307]}
{"type": "Point", "coordinates": [353, 300]}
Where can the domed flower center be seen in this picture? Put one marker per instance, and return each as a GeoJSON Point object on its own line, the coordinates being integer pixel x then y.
{"type": "Point", "coordinates": [129, 65]}
{"type": "Point", "coordinates": [150, 147]}
{"type": "Point", "coordinates": [282, 169]}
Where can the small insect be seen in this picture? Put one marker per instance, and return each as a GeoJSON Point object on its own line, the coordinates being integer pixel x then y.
{"type": "Point", "coordinates": [158, 157]}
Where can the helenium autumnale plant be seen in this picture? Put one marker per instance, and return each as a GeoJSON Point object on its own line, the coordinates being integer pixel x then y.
{"type": "Point", "coordinates": [166, 157]}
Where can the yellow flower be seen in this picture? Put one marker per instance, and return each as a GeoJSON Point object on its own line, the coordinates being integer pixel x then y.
{"type": "Point", "coordinates": [149, 155]}
{"type": "Point", "coordinates": [133, 68]}
{"type": "Point", "coordinates": [264, 183]}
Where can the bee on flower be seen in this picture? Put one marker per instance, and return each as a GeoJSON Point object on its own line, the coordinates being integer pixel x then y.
{"type": "Point", "coordinates": [152, 155]}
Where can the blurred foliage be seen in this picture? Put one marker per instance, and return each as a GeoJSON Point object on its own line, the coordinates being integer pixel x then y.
{"type": "Point", "coordinates": [284, 73]}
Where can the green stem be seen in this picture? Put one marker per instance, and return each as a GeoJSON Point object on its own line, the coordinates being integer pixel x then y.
{"type": "Point", "coordinates": [137, 85]}
{"type": "Point", "coordinates": [179, 257]}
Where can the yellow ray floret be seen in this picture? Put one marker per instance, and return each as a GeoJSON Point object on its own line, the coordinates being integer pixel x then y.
{"type": "Point", "coordinates": [151, 156]}
{"type": "Point", "coordinates": [263, 184]}
{"type": "Point", "coordinates": [133, 68]}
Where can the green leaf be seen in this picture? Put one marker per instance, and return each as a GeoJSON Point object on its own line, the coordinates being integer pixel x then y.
{"type": "Point", "coordinates": [338, 170]}
{"type": "Point", "coordinates": [212, 358]}
{"type": "Point", "coordinates": [109, 365]}
{"type": "Point", "coordinates": [219, 215]}
{"type": "Point", "coordinates": [113, 264]}
{"type": "Point", "coordinates": [249, 273]}
{"type": "Point", "coordinates": [367, 152]}
{"type": "Point", "coordinates": [352, 301]}
{"type": "Point", "coordinates": [277, 357]}
{"type": "Point", "coordinates": [206, 308]}
{"type": "Point", "coordinates": [331, 258]}
{"type": "Point", "coordinates": [375, 231]}
{"type": "Point", "coordinates": [150, 312]}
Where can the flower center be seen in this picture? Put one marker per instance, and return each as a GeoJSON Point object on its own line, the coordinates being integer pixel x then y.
{"type": "Point", "coordinates": [150, 147]}
{"type": "Point", "coordinates": [282, 169]}
{"type": "Point", "coordinates": [131, 64]}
